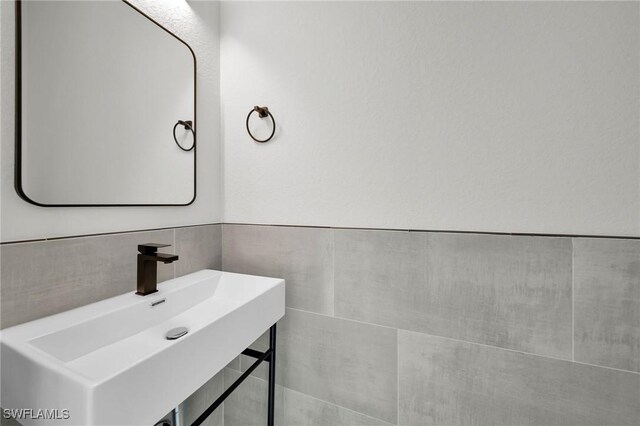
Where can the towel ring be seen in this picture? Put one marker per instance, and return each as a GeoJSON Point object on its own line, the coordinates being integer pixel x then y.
{"type": "Point", "coordinates": [262, 113]}
{"type": "Point", "coordinates": [189, 126]}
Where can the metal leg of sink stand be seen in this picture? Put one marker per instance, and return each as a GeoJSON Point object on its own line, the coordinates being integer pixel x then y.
{"type": "Point", "coordinates": [272, 376]}
{"type": "Point", "coordinates": [268, 356]}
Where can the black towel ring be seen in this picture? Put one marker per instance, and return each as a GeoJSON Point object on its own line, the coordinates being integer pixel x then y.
{"type": "Point", "coordinates": [262, 113]}
{"type": "Point", "coordinates": [189, 126]}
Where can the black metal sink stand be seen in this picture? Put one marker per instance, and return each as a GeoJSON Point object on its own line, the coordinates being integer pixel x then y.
{"type": "Point", "coordinates": [270, 356]}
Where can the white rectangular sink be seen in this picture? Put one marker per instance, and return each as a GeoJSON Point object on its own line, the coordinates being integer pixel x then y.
{"type": "Point", "coordinates": [109, 363]}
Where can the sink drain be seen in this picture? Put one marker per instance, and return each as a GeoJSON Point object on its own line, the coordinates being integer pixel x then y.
{"type": "Point", "coordinates": [176, 333]}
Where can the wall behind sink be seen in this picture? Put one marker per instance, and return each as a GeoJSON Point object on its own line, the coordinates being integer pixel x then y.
{"type": "Point", "coordinates": [45, 277]}
{"type": "Point", "coordinates": [507, 117]}
{"type": "Point", "coordinates": [197, 24]}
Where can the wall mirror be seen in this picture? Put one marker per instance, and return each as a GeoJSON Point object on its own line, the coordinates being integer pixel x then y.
{"type": "Point", "coordinates": [101, 89]}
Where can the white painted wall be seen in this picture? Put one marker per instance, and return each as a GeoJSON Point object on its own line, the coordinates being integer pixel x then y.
{"type": "Point", "coordinates": [197, 24]}
{"type": "Point", "coordinates": [514, 117]}
{"type": "Point", "coordinates": [506, 116]}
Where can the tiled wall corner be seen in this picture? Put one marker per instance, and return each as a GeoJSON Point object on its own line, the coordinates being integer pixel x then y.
{"type": "Point", "coordinates": [341, 362]}
{"type": "Point", "coordinates": [199, 247]}
{"type": "Point", "coordinates": [303, 255]}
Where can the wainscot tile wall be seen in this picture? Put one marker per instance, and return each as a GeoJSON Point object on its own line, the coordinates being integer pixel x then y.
{"type": "Point", "coordinates": [391, 327]}
{"type": "Point", "coordinates": [427, 328]}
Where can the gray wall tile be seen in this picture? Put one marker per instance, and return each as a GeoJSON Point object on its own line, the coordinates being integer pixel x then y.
{"type": "Point", "coordinates": [311, 370]}
{"type": "Point", "coordinates": [507, 291]}
{"type": "Point", "coordinates": [235, 364]}
{"type": "Point", "coordinates": [9, 422]}
{"type": "Point", "coordinates": [302, 256]}
{"type": "Point", "coordinates": [199, 247]}
{"type": "Point", "coordinates": [301, 409]}
{"type": "Point", "coordinates": [247, 405]}
{"type": "Point", "coordinates": [201, 399]}
{"type": "Point", "coordinates": [261, 344]}
{"type": "Point", "coordinates": [447, 382]}
{"type": "Point", "coordinates": [343, 362]}
{"type": "Point", "coordinates": [381, 277]}
{"type": "Point", "coordinates": [607, 302]}
{"type": "Point", "coordinates": [47, 277]}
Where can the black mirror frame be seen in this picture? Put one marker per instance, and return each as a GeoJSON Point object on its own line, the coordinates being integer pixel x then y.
{"type": "Point", "coordinates": [18, 118]}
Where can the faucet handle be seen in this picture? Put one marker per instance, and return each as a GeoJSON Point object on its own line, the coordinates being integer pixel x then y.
{"type": "Point", "coordinates": [151, 248]}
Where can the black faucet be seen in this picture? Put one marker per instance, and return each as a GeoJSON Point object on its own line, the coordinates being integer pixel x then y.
{"type": "Point", "coordinates": [148, 266]}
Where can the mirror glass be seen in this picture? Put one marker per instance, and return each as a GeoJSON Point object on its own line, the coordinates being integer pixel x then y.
{"type": "Point", "coordinates": [100, 90]}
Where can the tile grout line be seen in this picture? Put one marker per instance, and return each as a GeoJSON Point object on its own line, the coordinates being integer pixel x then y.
{"type": "Point", "coordinates": [224, 388]}
{"type": "Point", "coordinates": [398, 377]}
{"type": "Point", "coordinates": [472, 343]}
{"type": "Point", "coordinates": [103, 234]}
{"type": "Point", "coordinates": [344, 319]}
{"type": "Point", "coordinates": [333, 272]}
{"type": "Point", "coordinates": [444, 231]}
{"type": "Point", "coordinates": [222, 247]}
{"type": "Point", "coordinates": [431, 231]}
{"type": "Point", "coordinates": [573, 303]}
{"type": "Point", "coordinates": [221, 242]}
{"type": "Point", "coordinates": [284, 405]}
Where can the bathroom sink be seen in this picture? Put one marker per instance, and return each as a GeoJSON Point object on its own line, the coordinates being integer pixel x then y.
{"type": "Point", "coordinates": [110, 362]}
